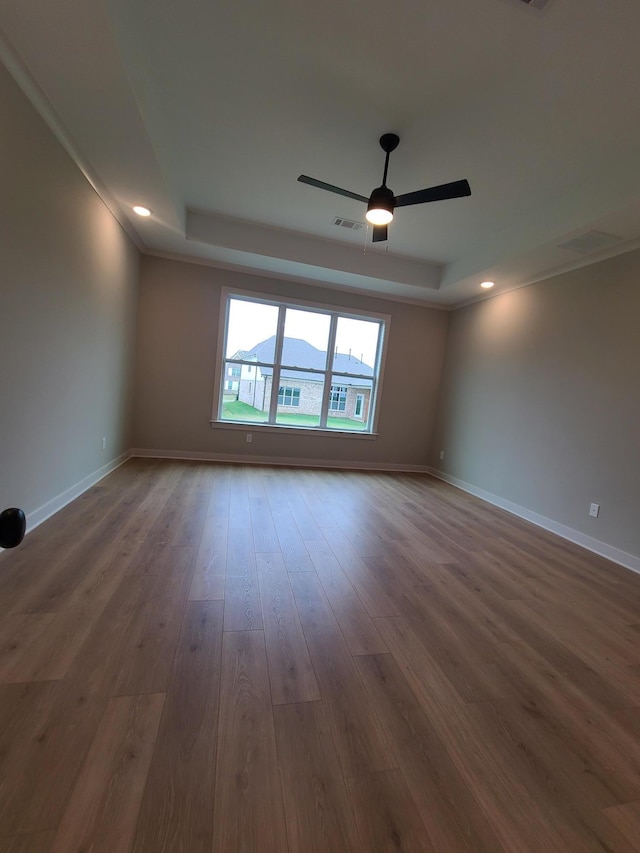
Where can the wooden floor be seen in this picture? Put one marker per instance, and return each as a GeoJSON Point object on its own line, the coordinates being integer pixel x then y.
{"type": "Point", "coordinates": [200, 657]}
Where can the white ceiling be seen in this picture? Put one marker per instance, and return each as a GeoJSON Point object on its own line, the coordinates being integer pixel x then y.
{"type": "Point", "coordinates": [207, 112]}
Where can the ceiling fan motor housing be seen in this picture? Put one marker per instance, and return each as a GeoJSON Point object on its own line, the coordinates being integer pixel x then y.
{"type": "Point", "coordinates": [382, 198]}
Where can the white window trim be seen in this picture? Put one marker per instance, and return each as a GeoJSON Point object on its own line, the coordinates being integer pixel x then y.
{"type": "Point", "coordinates": [381, 356]}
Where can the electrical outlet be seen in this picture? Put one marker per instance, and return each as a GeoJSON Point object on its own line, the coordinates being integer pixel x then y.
{"type": "Point", "coordinates": [594, 510]}
{"type": "Point", "coordinates": [104, 442]}
{"type": "Point", "coordinates": [442, 454]}
{"type": "Point", "coordinates": [249, 438]}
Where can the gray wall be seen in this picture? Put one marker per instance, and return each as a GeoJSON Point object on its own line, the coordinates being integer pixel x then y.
{"type": "Point", "coordinates": [177, 331]}
{"type": "Point", "coordinates": [541, 399]}
{"type": "Point", "coordinates": [68, 283]}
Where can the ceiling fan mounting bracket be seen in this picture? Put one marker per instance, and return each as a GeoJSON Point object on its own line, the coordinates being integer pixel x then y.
{"type": "Point", "coordinates": [389, 142]}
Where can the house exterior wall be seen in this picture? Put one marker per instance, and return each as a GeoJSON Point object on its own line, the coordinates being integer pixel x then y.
{"type": "Point", "coordinates": [350, 409]}
{"type": "Point", "coordinates": [311, 399]}
{"type": "Point", "coordinates": [251, 387]}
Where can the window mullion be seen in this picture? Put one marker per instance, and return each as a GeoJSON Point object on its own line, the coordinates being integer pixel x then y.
{"type": "Point", "coordinates": [277, 358]}
{"type": "Point", "coordinates": [373, 394]}
{"type": "Point", "coordinates": [324, 409]}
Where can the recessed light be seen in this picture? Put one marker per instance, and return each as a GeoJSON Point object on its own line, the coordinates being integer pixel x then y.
{"type": "Point", "coordinates": [141, 211]}
{"type": "Point", "coordinates": [487, 284]}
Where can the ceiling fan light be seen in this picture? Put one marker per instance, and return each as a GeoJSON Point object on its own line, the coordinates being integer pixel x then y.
{"type": "Point", "coordinates": [380, 207]}
{"type": "Point", "coordinates": [379, 216]}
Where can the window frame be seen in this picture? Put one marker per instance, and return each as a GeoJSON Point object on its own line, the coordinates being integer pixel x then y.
{"type": "Point", "coordinates": [335, 312]}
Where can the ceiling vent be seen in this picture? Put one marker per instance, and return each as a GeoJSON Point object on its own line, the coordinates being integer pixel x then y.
{"type": "Point", "coordinates": [591, 241]}
{"type": "Point", "coordinates": [535, 4]}
{"type": "Point", "coordinates": [347, 223]}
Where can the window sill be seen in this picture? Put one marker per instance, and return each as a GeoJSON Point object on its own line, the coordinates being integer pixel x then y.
{"type": "Point", "coordinates": [252, 426]}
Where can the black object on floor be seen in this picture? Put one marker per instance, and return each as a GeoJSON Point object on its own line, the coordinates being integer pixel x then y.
{"type": "Point", "coordinates": [12, 527]}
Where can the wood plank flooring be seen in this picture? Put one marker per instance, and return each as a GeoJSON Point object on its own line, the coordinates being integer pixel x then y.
{"type": "Point", "coordinates": [205, 658]}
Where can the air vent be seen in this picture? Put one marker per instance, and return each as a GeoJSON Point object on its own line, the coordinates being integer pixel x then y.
{"type": "Point", "coordinates": [535, 4]}
{"type": "Point", "coordinates": [591, 241]}
{"type": "Point", "coordinates": [347, 223]}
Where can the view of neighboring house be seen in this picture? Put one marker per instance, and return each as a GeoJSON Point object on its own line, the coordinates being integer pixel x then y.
{"type": "Point", "coordinates": [300, 392]}
{"type": "Point", "coordinates": [232, 378]}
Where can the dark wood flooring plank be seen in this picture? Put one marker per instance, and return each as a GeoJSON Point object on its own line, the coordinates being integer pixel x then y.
{"type": "Point", "coordinates": [358, 629]}
{"type": "Point", "coordinates": [19, 636]}
{"type": "Point", "coordinates": [193, 509]}
{"type": "Point", "coordinates": [177, 814]}
{"type": "Point", "coordinates": [152, 641]}
{"type": "Point", "coordinates": [620, 647]}
{"type": "Point", "coordinates": [459, 651]}
{"type": "Point", "coordinates": [627, 819]}
{"type": "Point", "coordinates": [387, 816]}
{"type": "Point", "coordinates": [112, 779]}
{"type": "Point", "coordinates": [219, 484]}
{"type": "Point", "coordinates": [294, 552]}
{"type": "Point", "coordinates": [303, 518]}
{"type": "Point", "coordinates": [522, 819]}
{"type": "Point", "coordinates": [573, 817]}
{"type": "Point", "coordinates": [360, 740]}
{"type": "Point", "coordinates": [50, 590]}
{"type": "Point", "coordinates": [52, 653]}
{"type": "Point", "coordinates": [290, 671]}
{"type": "Point", "coordinates": [319, 816]}
{"type": "Point", "coordinates": [211, 562]}
{"type": "Point", "coordinates": [242, 610]}
{"type": "Point", "coordinates": [529, 629]}
{"type": "Point", "coordinates": [596, 734]}
{"type": "Point", "coordinates": [48, 546]}
{"type": "Point", "coordinates": [265, 539]}
{"type": "Point", "coordinates": [377, 598]}
{"type": "Point", "coordinates": [36, 842]}
{"type": "Point", "coordinates": [453, 818]}
{"type": "Point", "coordinates": [239, 504]}
{"type": "Point", "coordinates": [620, 679]}
{"type": "Point", "coordinates": [248, 808]}
{"type": "Point", "coordinates": [41, 768]}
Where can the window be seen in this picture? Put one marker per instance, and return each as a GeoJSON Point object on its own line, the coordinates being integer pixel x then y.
{"type": "Point", "coordinates": [289, 397]}
{"type": "Point", "coordinates": [338, 398]}
{"type": "Point", "coordinates": [316, 367]}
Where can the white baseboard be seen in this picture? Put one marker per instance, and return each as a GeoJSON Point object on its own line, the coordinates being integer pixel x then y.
{"type": "Point", "coordinates": [37, 516]}
{"type": "Point", "coordinates": [616, 555]}
{"type": "Point", "coordinates": [279, 460]}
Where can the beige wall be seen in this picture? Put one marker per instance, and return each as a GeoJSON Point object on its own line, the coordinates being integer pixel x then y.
{"type": "Point", "coordinates": [541, 399]}
{"type": "Point", "coordinates": [68, 282]}
{"type": "Point", "coordinates": [177, 330]}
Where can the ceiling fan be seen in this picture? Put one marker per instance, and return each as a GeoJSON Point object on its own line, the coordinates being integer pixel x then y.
{"type": "Point", "coordinates": [382, 202]}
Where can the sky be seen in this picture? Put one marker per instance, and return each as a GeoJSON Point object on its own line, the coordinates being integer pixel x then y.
{"type": "Point", "coordinates": [252, 322]}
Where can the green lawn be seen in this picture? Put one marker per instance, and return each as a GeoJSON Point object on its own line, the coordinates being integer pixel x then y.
{"type": "Point", "coordinates": [237, 411]}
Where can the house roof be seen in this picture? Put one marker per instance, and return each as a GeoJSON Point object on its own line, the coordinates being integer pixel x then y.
{"type": "Point", "coordinates": [208, 112]}
{"type": "Point", "coordinates": [300, 353]}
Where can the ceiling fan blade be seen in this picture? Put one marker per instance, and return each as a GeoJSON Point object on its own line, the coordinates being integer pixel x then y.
{"type": "Point", "coordinates": [304, 179]}
{"type": "Point", "coordinates": [380, 233]}
{"type": "Point", "coordinates": [456, 189]}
